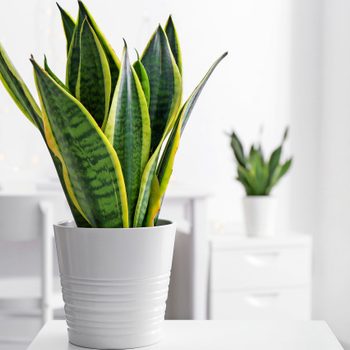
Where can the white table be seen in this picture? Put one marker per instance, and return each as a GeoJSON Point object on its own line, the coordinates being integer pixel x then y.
{"type": "Point", "coordinates": [218, 335]}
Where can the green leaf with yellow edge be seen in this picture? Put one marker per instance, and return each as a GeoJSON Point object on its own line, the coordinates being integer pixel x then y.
{"type": "Point", "coordinates": [24, 100]}
{"type": "Point", "coordinates": [18, 90]}
{"type": "Point", "coordinates": [91, 168]}
{"type": "Point", "coordinates": [68, 25]}
{"type": "Point", "coordinates": [113, 60]}
{"type": "Point", "coordinates": [174, 42]}
{"type": "Point", "coordinates": [165, 84]}
{"type": "Point", "coordinates": [93, 89]}
{"type": "Point", "coordinates": [73, 56]}
{"type": "Point", "coordinates": [155, 202]}
{"type": "Point", "coordinates": [128, 129]}
{"type": "Point", "coordinates": [78, 218]}
{"type": "Point", "coordinates": [143, 77]}
{"type": "Point", "coordinates": [147, 178]}
{"type": "Point", "coordinates": [53, 75]}
{"type": "Point", "coordinates": [165, 167]}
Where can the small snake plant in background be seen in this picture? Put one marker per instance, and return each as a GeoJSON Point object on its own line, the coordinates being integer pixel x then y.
{"type": "Point", "coordinates": [113, 128]}
{"type": "Point", "coordinates": [258, 174]}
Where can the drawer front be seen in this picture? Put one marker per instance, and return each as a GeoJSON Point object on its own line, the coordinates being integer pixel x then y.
{"type": "Point", "coordinates": [238, 269]}
{"type": "Point", "coordinates": [271, 304]}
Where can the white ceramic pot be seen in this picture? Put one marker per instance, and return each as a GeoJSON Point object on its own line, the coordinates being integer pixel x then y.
{"type": "Point", "coordinates": [259, 215]}
{"type": "Point", "coordinates": [115, 283]}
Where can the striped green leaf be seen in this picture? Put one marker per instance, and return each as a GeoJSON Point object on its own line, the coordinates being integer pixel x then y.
{"type": "Point", "coordinates": [128, 129]}
{"type": "Point", "coordinates": [165, 83]}
{"type": "Point", "coordinates": [73, 56]}
{"type": "Point", "coordinates": [143, 77]}
{"type": "Point", "coordinates": [93, 89]}
{"type": "Point", "coordinates": [90, 166]}
{"type": "Point", "coordinates": [165, 166]}
{"type": "Point", "coordinates": [145, 188]}
{"type": "Point", "coordinates": [78, 218]}
{"type": "Point", "coordinates": [174, 42]}
{"type": "Point", "coordinates": [113, 60]}
{"type": "Point", "coordinates": [155, 202]}
{"type": "Point", "coordinates": [18, 90]}
{"type": "Point", "coordinates": [148, 179]}
{"type": "Point", "coordinates": [22, 97]}
{"type": "Point", "coordinates": [53, 75]}
{"type": "Point", "coordinates": [166, 163]}
{"type": "Point", "coordinates": [237, 148]}
{"type": "Point", "coordinates": [68, 25]}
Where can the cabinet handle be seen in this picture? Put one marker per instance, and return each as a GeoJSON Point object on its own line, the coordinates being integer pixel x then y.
{"type": "Point", "coordinates": [262, 258]}
{"type": "Point", "coordinates": [262, 299]}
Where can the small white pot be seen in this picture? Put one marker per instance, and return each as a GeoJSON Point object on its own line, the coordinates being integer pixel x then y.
{"type": "Point", "coordinates": [115, 283]}
{"type": "Point", "coordinates": [259, 215]}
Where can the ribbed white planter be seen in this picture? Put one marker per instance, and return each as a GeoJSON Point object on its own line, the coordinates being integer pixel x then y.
{"type": "Point", "coordinates": [115, 283]}
{"type": "Point", "coordinates": [259, 215]}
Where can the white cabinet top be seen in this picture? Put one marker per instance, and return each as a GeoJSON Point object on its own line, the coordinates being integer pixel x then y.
{"type": "Point", "coordinates": [227, 241]}
{"type": "Point", "coordinates": [218, 335]}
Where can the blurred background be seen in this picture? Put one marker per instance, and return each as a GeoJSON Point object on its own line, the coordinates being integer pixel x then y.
{"type": "Point", "coordinates": [288, 64]}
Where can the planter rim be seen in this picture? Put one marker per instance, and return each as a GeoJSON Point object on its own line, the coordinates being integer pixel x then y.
{"type": "Point", "coordinates": [259, 196]}
{"type": "Point", "coordinates": [70, 224]}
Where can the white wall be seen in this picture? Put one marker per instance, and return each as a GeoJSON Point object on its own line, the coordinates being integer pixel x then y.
{"type": "Point", "coordinates": [320, 117]}
{"type": "Point", "coordinates": [249, 89]}
{"type": "Point", "coordinates": [333, 239]}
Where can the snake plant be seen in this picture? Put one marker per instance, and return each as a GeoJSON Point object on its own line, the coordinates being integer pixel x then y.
{"type": "Point", "coordinates": [112, 127]}
{"type": "Point", "coordinates": [258, 174]}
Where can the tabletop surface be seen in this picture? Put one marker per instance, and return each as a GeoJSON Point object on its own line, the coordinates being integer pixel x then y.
{"type": "Point", "coordinates": [218, 335]}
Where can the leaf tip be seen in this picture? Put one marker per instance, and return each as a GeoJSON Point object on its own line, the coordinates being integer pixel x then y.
{"type": "Point", "coordinates": [125, 44]}
{"type": "Point", "coordinates": [34, 63]}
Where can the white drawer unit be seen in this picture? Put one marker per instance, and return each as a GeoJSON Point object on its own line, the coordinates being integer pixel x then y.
{"type": "Point", "coordinates": [260, 278]}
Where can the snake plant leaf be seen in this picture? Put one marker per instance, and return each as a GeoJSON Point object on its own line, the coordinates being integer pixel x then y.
{"type": "Point", "coordinates": [237, 148]}
{"type": "Point", "coordinates": [128, 129]}
{"type": "Point", "coordinates": [93, 88]}
{"type": "Point", "coordinates": [68, 25]}
{"type": "Point", "coordinates": [79, 219]}
{"type": "Point", "coordinates": [279, 172]}
{"type": "Point", "coordinates": [145, 188]}
{"type": "Point", "coordinates": [285, 167]}
{"type": "Point", "coordinates": [113, 60]}
{"type": "Point", "coordinates": [143, 77]}
{"type": "Point", "coordinates": [275, 159]}
{"type": "Point", "coordinates": [165, 83]}
{"type": "Point", "coordinates": [165, 166]}
{"type": "Point", "coordinates": [25, 101]}
{"type": "Point", "coordinates": [147, 180]}
{"type": "Point", "coordinates": [248, 179]}
{"type": "Point", "coordinates": [155, 202]}
{"type": "Point", "coordinates": [276, 154]}
{"type": "Point", "coordinates": [174, 42]}
{"type": "Point", "coordinates": [73, 56]}
{"type": "Point", "coordinates": [18, 90]}
{"type": "Point", "coordinates": [91, 168]}
{"type": "Point", "coordinates": [241, 178]}
{"type": "Point", "coordinates": [285, 135]}
{"type": "Point", "coordinates": [167, 160]}
{"type": "Point", "coordinates": [53, 75]}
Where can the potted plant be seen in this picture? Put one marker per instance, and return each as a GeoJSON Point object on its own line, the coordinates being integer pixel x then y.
{"type": "Point", "coordinates": [112, 129]}
{"type": "Point", "coordinates": [259, 175]}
